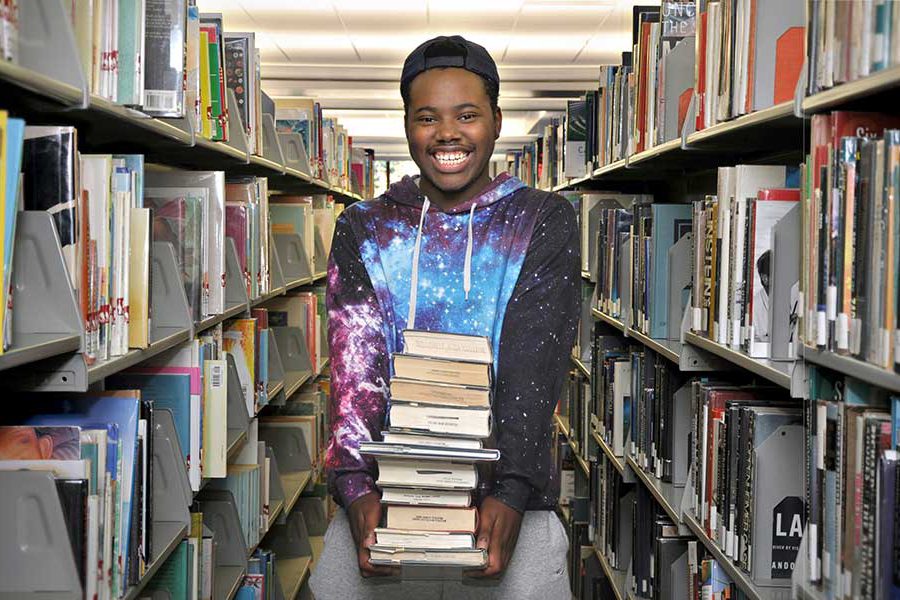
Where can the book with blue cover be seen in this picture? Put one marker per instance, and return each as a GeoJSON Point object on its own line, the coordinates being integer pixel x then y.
{"type": "Point", "coordinates": [166, 390]}
{"type": "Point", "coordinates": [13, 141]}
{"type": "Point", "coordinates": [670, 223]}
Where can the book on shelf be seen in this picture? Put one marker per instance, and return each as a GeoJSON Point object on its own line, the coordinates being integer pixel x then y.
{"type": "Point", "coordinates": [848, 241]}
{"type": "Point", "coordinates": [11, 185]}
{"type": "Point", "coordinates": [164, 58]}
{"type": "Point", "coordinates": [847, 41]}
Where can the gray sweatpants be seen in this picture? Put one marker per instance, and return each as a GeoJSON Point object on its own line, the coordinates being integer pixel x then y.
{"type": "Point", "coordinates": [537, 570]}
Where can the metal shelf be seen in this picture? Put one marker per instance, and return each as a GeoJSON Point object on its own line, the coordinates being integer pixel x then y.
{"type": "Point", "coordinates": [881, 82]}
{"type": "Point", "coordinates": [585, 369]}
{"type": "Point", "coordinates": [615, 460]}
{"type": "Point", "coordinates": [778, 373]}
{"type": "Point", "coordinates": [855, 368]}
{"type": "Point", "coordinates": [100, 370]}
{"type": "Point", "coordinates": [294, 484]}
{"type": "Point", "coordinates": [667, 495]}
{"type": "Point", "coordinates": [609, 320]}
{"type": "Point", "coordinates": [670, 349]}
{"type": "Point", "coordinates": [39, 346]}
{"type": "Point", "coordinates": [740, 578]}
{"type": "Point", "coordinates": [616, 578]}
{"type": "Point", "coordinates": [172, 535]}
{"type": "Point", "coordinates": [292, 572]}
{"type": "Point", "coordinates": [562, 423]}
{"type": "Point", "coordinates": [228, 581]}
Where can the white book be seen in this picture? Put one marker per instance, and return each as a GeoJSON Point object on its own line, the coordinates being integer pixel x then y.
{"type": "Point", "coordinates": [409, 538]}
{"type": "Point", "coordinates": [418, 497]}
{"type": "Point", "coordinates": [215, 421]}
{"type": "Point", "coordinates": [434, 475]}
{"type": "Point", "coordinates": [393, 437]}
{"type": "Point", "coordinates": [472, 422]}
{"type": "Point", "coordinates": [452, 346]}
{"type": "Point", "coordinates": [622, 388]}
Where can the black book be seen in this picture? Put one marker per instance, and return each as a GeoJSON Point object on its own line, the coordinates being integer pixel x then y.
{"type": "Point", "coordinates": [73, 501]}
{"type": "Point", "coordinates": [49, 164]}
{"type": "Point", "coordinates": [164, 48]}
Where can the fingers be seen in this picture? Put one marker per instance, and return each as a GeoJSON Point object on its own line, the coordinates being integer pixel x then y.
{"type": "Point", "coordinates": [366, 568]}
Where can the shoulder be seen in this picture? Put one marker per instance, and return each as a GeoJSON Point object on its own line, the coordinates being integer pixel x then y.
{"type": "Point", "coordinates": [548, 205]}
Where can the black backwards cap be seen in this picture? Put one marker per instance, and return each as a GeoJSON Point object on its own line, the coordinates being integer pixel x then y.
{"type": "Point", "coordinates": [449, 51]}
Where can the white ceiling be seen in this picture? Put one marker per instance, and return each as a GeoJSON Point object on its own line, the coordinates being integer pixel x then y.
{"type": "Point", "coordinates": [348, 54]}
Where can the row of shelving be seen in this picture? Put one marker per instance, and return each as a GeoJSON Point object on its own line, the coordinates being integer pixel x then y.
{"type": "Point", "coordinates": [109, 126]}
{"type": "Point", "coordinates": [670, 497]}
{"type": "Point", "coordinates": [755, 133]}
{"type": "Point", "coordinates": [685, 354]}
{"type": "Point", "coordinates": [563, 426]}
{"type": "Point", "coordinates": [48, 328]}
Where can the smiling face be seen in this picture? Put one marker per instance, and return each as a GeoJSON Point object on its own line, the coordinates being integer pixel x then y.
{"type": "Point", "coordinates": [451, 129]}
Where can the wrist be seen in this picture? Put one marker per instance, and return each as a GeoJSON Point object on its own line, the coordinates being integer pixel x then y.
{"type": "Point", "coordinates": [512, 492]}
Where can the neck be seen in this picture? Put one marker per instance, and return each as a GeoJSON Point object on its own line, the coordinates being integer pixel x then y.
{"type": "Point", "coordinates": [446, 200]}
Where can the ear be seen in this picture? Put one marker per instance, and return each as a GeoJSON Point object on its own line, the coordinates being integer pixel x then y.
{"type": "Point", "coordinates": [45, 446]}
{"type": "Point", "coordinates": [498, 122]}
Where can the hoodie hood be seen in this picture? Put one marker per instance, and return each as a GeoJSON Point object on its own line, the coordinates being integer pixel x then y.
{"type": "Point", "coordinates": [406, 191]}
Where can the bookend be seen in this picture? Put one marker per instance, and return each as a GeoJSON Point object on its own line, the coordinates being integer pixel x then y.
{"type": "Point", "coordinates": [271, 149]}
{"type": "Point", "coordinates": [276, 273]}
{"type": "Point", "coordinates": [289, 446]}
{"type": "Point", "coordinates": [294, 152]}
{"type": "Point", "coordinates": [276, 370]}
{"type": "Point", "coordinates": [679, 284]}
{"type": "Point", "coordinates": [185, 124]}
{"type": "Point", "coordinates": [320, 260]}
{"type": "Point", "coordinates": [800, 90]}
{"type": "Point", "coordinates": [313, 509]}
{"type": "Point", "coordinates": [220, 515]}
{"type": "Point", "coordinates": [276, 490]}
{"type": "Point", "coordinates": [240, 420]}
{"type": "Point", "coordinates": [289, 541]}
{"type": "Point", "coordinates": [237, 133]}
{"type": "Point", "coordinates": [169, 304]}
{"type": "Point", "coordinates": [236, 418]}
{"type": "Point", "coordinates": [47, 44]}
{"type": "Point", "coordinates": [235, 279]}
{"type": "Point", "coordinates": [46, 320]}
{"type": "Point", "coordinates": [35, 554]}
{"type": "Point", "coordinates": [171, 491]}
{"type": "Point", "coordinates": [690, 123]}
{"type": "Point", "coordinates": [292, 258]}
{"type": "Point", "coordinates": [294, 357]}
{"type": "Point", "coordinates": [693, 359]}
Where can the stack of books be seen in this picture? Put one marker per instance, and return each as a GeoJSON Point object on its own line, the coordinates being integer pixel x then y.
{"type": "Point", "coordinates": [440, 414]}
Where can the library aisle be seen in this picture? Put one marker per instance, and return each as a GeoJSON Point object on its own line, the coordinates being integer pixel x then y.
{"type": "Point", "coordinates": [172, 172]}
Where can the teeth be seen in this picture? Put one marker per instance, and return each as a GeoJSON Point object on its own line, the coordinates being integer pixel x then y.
{"type": "Point", "coordinates": [451, 158]}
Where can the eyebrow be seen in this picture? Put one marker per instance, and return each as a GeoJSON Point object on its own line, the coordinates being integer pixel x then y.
{"type": "Point", "coordinates": [457, 107]}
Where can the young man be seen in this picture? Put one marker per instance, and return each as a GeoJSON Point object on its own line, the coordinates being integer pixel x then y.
{"type": "Point", "coordinates": [452, 250]}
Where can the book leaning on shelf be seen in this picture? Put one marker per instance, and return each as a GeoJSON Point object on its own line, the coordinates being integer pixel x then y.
{"type": "Point", "coordinates": [440, 413]}
{"type": "Point", "coordinates": [12, 137]}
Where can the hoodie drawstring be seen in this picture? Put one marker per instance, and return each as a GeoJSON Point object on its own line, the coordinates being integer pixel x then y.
{"type": "Point", "coordinates": [414, 280]}
{"type": "Point", "coordinates": [467, 269]}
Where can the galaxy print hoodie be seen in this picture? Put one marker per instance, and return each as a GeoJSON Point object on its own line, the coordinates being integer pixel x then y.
{"type": "Point", "coordinates": [503, 265]}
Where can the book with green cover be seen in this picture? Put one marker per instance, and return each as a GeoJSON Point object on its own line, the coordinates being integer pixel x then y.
{"type": "Point", "coordinates": [131, 53]}
{"type": "Point", "coordinates": [173, 576]}
{"type": "Point", "coordinates": [215, 89]}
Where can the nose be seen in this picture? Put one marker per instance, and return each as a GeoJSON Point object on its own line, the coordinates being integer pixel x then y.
{"type": "Point", "coordinates": [447, 131]}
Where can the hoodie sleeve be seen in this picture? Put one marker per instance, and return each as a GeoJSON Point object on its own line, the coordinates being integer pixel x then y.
{"type": "Point", "coordinates": [535, 343]}
{"type": "Point", "coordinates": [359, 367]}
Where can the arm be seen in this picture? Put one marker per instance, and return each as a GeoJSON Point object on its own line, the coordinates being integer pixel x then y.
{"type": "Point", "coordinates": [537, 337]}
{"type": "Point", "coordinates": [359, 386]}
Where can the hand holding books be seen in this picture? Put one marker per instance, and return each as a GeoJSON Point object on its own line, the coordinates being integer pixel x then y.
{"type": "Point", "coordinates": [364, 515]}
{"type": "Point", "coordinates": [498, 531]}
